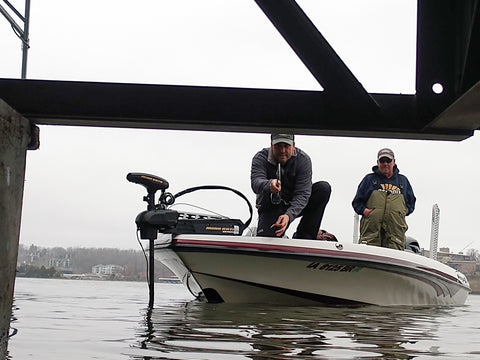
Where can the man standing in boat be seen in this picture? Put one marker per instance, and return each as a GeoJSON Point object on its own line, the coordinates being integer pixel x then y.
{"type": "Point", "coordinates": [281, 177]}
{"type": "Point", "coordinates": [384, 197]}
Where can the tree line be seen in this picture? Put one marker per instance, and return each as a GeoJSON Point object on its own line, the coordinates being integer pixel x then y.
{"type": "Point", "coordinates": [81, 260]}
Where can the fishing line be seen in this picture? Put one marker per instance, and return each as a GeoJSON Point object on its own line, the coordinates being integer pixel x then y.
{"type": "Point", "coordinates": [201, 208]}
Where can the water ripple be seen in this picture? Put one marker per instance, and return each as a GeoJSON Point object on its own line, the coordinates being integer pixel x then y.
{"type": "Point", "coordinates": [78, 320]}
{"type": "Point", "coordinates": [196, 331]}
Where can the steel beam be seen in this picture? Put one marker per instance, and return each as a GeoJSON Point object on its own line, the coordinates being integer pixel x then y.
{"type": "Point", "coordinates": [471, 38]}
{"type": "Point", "coordinates": [342, 89]}
{"type": "Point", "coordinates": [214, 109]}
{"type": "Point", "coordinates": [448, 53]}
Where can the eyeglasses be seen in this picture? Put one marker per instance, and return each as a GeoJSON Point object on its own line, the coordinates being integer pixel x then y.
{"type": "Point", "coordinates": [385, 160]}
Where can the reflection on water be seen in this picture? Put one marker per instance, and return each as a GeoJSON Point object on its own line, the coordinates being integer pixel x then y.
{"type": "Point", "coordinates": [80, 319]}
{"type": "Point", "coordinates": [210, 331]}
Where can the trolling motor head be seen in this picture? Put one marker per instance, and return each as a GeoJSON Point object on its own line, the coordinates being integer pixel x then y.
{"type": "Point", "coordinates": [152, 183]}
{"type": "Point", "coordinates": [156, 217]}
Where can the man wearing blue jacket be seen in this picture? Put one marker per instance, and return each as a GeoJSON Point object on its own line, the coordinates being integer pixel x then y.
{"type": "Point", "coordinates": [384, 197]}
{"type": "Point", "coordinates": [281, 177]}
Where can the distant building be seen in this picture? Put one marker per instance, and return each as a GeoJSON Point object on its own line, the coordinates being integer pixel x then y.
{"type": "Point", "coordinates": [63, 265]}
{"type": "Point", "coordinates": [107, 269]}
{"type": "Point", "coordinates": [464, 263]}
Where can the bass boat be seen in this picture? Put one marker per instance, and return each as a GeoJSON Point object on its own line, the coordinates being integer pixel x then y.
{"type": "Point", "coordinates": [218, 263]}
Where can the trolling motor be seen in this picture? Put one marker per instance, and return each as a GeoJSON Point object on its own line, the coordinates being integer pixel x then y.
{"type": "Point", "coordinates": [156, 217]}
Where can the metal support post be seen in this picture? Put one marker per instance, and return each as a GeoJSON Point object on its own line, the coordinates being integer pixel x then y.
{"type": "Point", "coordinates": [21, 33]}
{"type": "Point", "coordinates": [25, 39]}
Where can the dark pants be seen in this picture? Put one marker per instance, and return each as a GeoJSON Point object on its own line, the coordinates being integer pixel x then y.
{"type": "Point", "coordinates": [311, 215]}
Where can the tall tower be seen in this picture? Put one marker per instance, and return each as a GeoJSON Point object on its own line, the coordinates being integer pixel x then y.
{"type": "Point", "coordinates": [434, 232]}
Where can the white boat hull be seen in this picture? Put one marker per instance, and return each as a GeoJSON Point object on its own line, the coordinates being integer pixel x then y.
{"type": "Point", "coordinates": [240, 269]}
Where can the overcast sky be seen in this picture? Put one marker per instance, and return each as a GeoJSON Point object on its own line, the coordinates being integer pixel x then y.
{"type": "Point", "coordinates": [76, 193]}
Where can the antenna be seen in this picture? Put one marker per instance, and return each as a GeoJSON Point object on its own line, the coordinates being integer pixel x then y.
{"type": "Point", "coordinates": [470, 243]}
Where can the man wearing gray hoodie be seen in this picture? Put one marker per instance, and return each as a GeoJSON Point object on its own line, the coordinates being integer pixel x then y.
{"type": "Point", "coordinates": [281, 177]}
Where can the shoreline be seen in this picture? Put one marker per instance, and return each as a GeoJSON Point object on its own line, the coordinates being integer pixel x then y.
{"type": "Point", "coordinates": [474, 281]}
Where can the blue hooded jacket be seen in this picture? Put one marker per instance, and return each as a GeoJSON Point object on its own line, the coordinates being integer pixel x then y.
{"type": "Point", "coordinates": [377, 181]}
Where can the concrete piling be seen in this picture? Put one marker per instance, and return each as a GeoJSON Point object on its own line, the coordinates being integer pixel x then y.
{"type": "Point", "coordinates": [17, 135]}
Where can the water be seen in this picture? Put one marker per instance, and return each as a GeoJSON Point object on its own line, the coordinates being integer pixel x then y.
{"type": "Point", "coordinates": [80, 319]}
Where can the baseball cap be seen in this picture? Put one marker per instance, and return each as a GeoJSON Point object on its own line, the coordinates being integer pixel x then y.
{"type": "Point", "coordinates": [385, 152]}
{"type": "Point", "coordinates": [285, 138]}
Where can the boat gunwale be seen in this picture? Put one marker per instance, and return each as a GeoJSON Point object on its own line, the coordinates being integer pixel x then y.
{"type": "Point", "coordinates": [374, 261]}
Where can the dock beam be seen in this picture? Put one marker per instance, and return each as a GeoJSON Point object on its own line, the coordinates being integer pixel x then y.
{"type": "Point", "coordinates": [17, 135]}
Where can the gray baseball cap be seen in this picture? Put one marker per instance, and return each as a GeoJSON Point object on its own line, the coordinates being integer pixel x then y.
{"type": "Point", "coordinates": [385, 152]}
{"type": "Point", "coordinates": [285, 138]}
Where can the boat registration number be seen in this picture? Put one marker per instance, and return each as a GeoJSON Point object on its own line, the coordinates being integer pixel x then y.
{"type": "Point", "coordinates": [333, 267]}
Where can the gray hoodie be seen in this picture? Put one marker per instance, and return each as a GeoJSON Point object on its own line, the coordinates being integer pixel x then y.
{"type": "Point", "coordinates": [296, 181]}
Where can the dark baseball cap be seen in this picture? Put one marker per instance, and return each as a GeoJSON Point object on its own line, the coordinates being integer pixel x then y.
{"type": "Point", "coordinates": [285, 138]}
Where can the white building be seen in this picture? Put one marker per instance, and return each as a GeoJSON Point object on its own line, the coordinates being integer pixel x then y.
{"type": "Point", "coordinates": [107, 269]}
